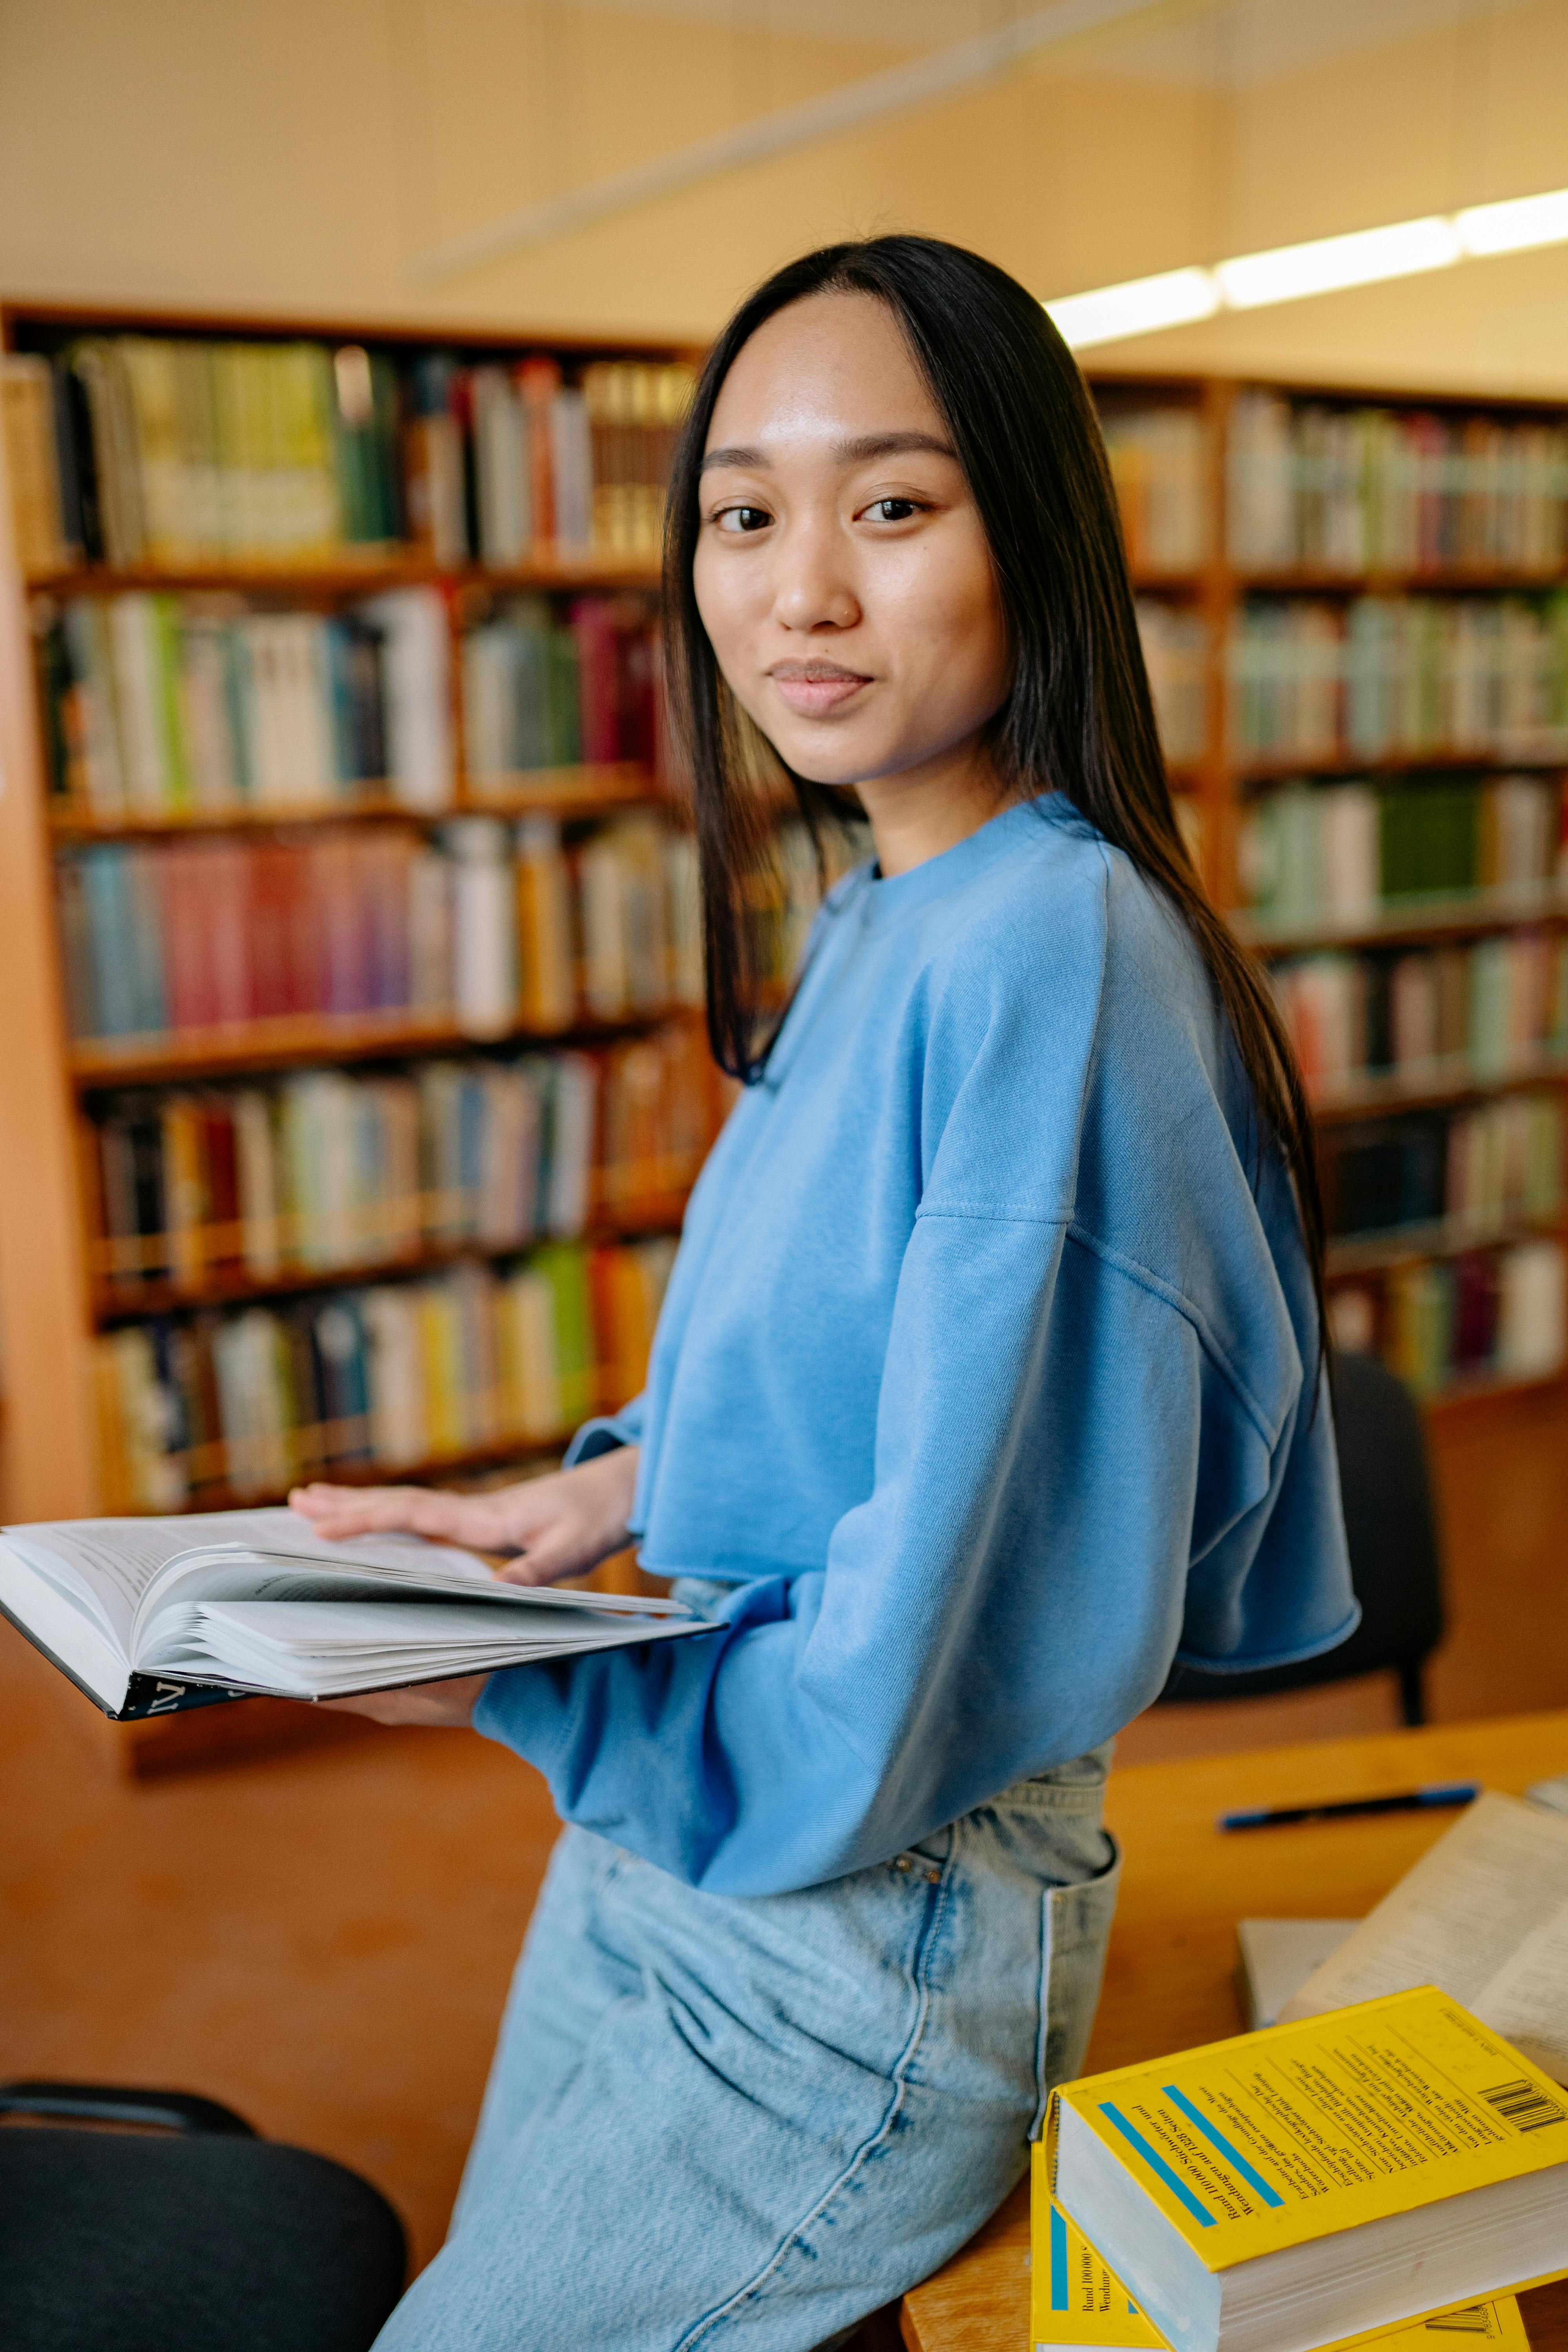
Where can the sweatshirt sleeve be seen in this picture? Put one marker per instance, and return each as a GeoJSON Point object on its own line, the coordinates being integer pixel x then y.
{"type": "Point", "coordinates": [605, 1433]}
{"type": "Point", "coordinates": [1055, 1445]}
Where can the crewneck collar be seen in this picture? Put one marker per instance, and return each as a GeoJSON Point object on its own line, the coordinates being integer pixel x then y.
{"type": "Point", "coordinates": [888, 897]}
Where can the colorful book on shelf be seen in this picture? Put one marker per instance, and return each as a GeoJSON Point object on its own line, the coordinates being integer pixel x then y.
{"type": "Point", "coordinates": [27, 430]}
{"type": "Point", "coordinates": [176, 451]}
{"type": "Point", "coordinates": [473, 1362]}
{"type": "Point", "coordinates": [1287, 2188]}
{"type": "Point", "coordinates": [322, 1169]}
{"type": "Point", "coordinates": [1351, 489]}
{"type": "Point", "coordinates": [1074, 2298]}
{"type": "Point", "coordinates": [170, 937]}
{"type": "Point", "coordinates": [151, 1616]}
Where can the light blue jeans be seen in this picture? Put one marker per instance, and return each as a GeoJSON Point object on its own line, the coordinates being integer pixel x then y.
{"type": "Point", "coordinates": [725, 2121]}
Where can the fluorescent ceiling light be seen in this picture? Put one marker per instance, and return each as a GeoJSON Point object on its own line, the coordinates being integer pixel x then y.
{"type": "Point", "coordinates": [1332, 262]}
{"type": "Point", "coordinates": [1511, 227]}
{"type": "Point", "coordinates": [1136, 307]}
{"type": "Point", "coordinates": [1140, 306]}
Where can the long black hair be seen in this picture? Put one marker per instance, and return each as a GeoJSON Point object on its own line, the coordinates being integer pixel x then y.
{"type": "Point", "coordinates": [1078, 715]}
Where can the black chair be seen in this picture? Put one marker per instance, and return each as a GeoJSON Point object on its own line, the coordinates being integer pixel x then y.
{"type": "Point", "coordinates": [1385, 1482]}
{"type": "Point", "coordinates": [184, 2233]}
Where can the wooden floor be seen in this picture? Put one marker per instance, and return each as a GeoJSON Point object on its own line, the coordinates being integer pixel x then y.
{"type": "Point", "coordinates": [324, 1938]}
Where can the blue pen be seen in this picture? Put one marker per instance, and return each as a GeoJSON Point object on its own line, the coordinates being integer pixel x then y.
{"type": "Point", "coordinates": [1408, 1800]}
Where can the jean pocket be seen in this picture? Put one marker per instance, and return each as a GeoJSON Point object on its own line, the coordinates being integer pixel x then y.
{"type": "Point", "coordinates": [1075, 1928]}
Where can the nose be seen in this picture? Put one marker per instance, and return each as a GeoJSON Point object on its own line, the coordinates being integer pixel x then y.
{"type": "Point", "coordinates": [813, 590]}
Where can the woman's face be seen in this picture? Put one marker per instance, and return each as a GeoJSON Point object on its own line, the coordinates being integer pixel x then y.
{"type": "Point", "coordinates": [842, 569]}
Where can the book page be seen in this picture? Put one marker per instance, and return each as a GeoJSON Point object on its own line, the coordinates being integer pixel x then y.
{"type": "Point", "coordinates": [112, 1561]}
{"type": "Point", "coordinates": [1526, 2000]}
{"type": "Point", "coordinates": [1458, 1917]}
{"type": "Point", "coordinates": [118, 1563]}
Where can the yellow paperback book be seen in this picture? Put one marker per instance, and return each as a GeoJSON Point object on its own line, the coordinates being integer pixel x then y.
{"type": "Point", "coordinates": [1076, 2298]}
{"type": "Point", "coordinates": [1339, 2176]}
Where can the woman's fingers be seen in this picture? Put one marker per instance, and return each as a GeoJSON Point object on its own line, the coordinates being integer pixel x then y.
{"type": "Point", "coordinates": [341, 1512]}
{"type": "Point", "coordinates": [442, 1706]}
{"type": "Point", "coordinates": [563, 1523]}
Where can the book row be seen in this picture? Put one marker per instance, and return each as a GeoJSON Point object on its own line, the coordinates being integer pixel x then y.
{"type": "Point", "coordinates": [1426, 1014]}
{"type": "Point", "coordinates": [397, 1374]}
{"type": "Point", "coordinates": [327, 1168]}
{"type": "Point", "coordinates": [1379, 490]}
{"type": "Point", "coordinates": [1498, 1314]}
{"type": "Point", "coordinates": [1335, 853]}
{"type": "Point", "coordinates": [150, 449]}
{"type": "Point", "coordinates": [490, 926]}
{"type": "Point", "coordinates": [1158, 465]}
{"type": "Point", "coordinates": [1399, 677]}
{"type": "Point", "coordinates": [1175, 654]}
{"type": "Point", "coordinates": [1498, 1165]}
{"type": "Point", "coordinates": [165, 706]}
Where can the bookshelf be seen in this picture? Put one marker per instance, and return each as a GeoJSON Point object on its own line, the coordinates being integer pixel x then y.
{"type": "Point", "coordinates": [1353, 608]}
{"type": "Point", "coordinates": [519, 480]}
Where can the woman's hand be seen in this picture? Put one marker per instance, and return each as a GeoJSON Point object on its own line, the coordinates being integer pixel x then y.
{"type": "Point", "coordinates": [447, 1706]}
{"type": "Point", "coordinates": [559, 1526]}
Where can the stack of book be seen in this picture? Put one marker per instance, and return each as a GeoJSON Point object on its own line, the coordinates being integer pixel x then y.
{"type": "Point", "coordinates": [1441, 1323]}
{"type": "Point", "coordinates": [1313, 2184]}
{"type": "Point", "coordinates": [488, 928]}
{"type": "Point", "coordinates": [1428, 1016]}
{"type": "Point", "coordinates": [327, 1168]}
{"type": "Point", "coordinates": [1158, 466]}
{"type": "Point", "coordinates": [167, 451]}
{"type": "Point", "coordinates": [1331, 855]}
{"type": "Point", "coordinates": [1497, 1165]}
{"type": "Point", "coordinates": [154, 705]}
{"type": "Point", "coordinates": [1175, 653]}
{"type": "Point", "coordinates": [476, 1361]}
{"type": "Point", "coordinates": [1373, 490]}
{"type": "Point", "coordinates": [163, 707]}
{"type": "Point", "coordinates": [543, 692]}
{"type": "Point", "coordinates": [1399, 677]}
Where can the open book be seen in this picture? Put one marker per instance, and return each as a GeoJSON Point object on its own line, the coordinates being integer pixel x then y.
{"type": "Point", "coordinates": [1484, 1913]}
{"type": "Point", "coordinates": [148, 1616]}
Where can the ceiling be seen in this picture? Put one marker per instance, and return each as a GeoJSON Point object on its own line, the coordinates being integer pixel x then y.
{"type": "Point", "coordinates": [1223, 44]}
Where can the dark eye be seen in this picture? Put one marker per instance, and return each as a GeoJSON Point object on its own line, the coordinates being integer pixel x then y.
{"type": "Point", "coordinates": [893, 509]}
{"type": "Point", "coordinates": [743, 519]}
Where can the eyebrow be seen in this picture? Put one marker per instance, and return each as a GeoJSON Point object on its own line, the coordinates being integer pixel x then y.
{"type": "Point", "coordinates": [862, 451]}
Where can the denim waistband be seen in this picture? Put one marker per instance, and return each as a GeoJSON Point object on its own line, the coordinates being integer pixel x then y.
{"type": "Point", "coordinates": [1077, 1786]}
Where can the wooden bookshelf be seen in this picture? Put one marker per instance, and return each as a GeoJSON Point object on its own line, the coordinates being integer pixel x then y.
{"type": "Point", "coordinates": [56, 1291]}
{"type": "Point", "coordinates": [1434, 1089]}
{"type": "Point", "coordinates": [119, 1298]}
{"type": "Point", "coordinates": [284, 1042]}
{"type": "Point", "coordinates": [1218, 782]}
{"type": "Point", "coordinates": [304, 583]}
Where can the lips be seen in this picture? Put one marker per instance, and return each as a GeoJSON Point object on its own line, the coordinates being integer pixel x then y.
{"type": "Point", "coordinates": [815, 688]}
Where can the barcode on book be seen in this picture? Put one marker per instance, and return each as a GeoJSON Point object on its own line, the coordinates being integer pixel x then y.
{"type": "Point", "coordinates": [1475, 2319]}
{"type": "Point", "coordinates": [1525, 2103]}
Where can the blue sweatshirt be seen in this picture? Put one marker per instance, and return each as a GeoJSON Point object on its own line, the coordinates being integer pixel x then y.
{"type": "Point", "coordinates": [985, 1374]}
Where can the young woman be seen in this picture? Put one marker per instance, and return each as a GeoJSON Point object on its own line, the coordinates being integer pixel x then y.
{"type": "Point", "coordinates": [988, 1383]}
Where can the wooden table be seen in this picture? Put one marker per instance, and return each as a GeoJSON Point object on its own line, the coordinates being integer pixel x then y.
{"type": "Point", "coordinates": [1169, 1979]}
